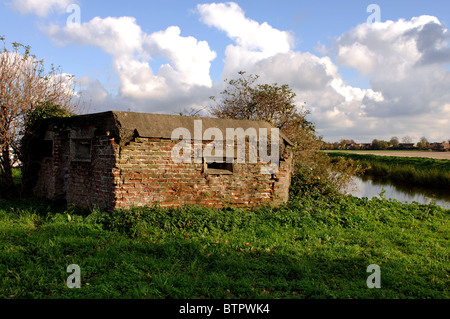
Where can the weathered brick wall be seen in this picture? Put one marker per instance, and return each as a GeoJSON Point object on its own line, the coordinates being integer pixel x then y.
{"type": "Point", "coordinates": [91, 183]}
{"type": "Point", "coordinates": [145, 173]}
{"type": "Point", "coordinates": [81, 183]}
{"type": "Point", "coordinates": [53, 169]}
{"type": "Point", "coordinates": [283, 178]}
{"type": "Point", "coordinates": [45, 186]}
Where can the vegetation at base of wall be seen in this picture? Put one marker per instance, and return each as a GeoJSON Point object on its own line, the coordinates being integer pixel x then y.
{"type": "Point", "coordinates": [427, 172]}
{"type": "Point", "coordinates": [318, 245]}
{"type": "Point", "coordinates": [17, 176]}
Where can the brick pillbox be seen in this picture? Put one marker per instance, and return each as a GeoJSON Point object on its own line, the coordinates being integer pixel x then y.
{"type": "Point", "coordinates": [122, 159]}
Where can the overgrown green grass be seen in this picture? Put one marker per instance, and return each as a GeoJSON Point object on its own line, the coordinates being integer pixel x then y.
{"type": "Point", "coordinates": [426, 172]}
{"type": "Point", "coordinates": [319, 245]}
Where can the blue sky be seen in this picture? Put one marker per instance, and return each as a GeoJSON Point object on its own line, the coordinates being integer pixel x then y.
{"type": "Point", "coordinates": [360, 81]}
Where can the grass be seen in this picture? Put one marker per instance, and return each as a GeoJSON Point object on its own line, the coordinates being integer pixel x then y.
{"type": "Point", "coordinates": [418, 171]}
{"type": "Point", "coordinates": [318, 245]}
{"type": "Point", "coordinates": [17, 176]}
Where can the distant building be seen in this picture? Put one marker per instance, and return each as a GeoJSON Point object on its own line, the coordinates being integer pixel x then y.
{"type": "Point", "coordinates": [407, 146]}
{"type": "Point", "coordinates": [446, 146]}
{"type": "Point", "coordinates": [440, 146]}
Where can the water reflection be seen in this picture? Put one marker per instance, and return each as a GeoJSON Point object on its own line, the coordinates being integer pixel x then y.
{"type": "Point", "coordinates": [368, 187]}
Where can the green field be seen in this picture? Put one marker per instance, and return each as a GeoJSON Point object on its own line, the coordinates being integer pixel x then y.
{"type": "Point", "coordinates": [319, 245]}
{"type": "Point", "coordinates": [398, 153]}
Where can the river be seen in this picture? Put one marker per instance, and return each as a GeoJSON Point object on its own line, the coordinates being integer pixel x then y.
{"type": "Point", "coordinates": [366, 187]}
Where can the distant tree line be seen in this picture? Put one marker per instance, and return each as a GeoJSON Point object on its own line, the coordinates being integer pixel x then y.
{"type": "Point", "coordinates": [393, 144]}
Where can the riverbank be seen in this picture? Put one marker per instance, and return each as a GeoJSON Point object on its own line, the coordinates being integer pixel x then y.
{"type": "Point", "coordinates": [414, 171]}
{"type": "Point", "coordinates": [370, 187]}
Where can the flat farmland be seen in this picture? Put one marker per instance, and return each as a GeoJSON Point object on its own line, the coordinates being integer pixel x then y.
{"type": "Point", "coordinates": [425, 154]}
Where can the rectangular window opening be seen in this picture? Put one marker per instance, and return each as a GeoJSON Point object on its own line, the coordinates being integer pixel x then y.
{"type": "Point", "coordinates": [80, 150]}
{"type": "Point", "coordinates": [214, 167]}
{"type": "Point", "coordinates": [47, 148]}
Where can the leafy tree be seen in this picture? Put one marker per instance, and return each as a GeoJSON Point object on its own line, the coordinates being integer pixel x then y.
{"type": "Point", "coordinates": [379, 144]}
{"type": "Point", "coordinates": [394, 141]}
{"type": "Point", "coordinates": [44, 111]}
{"type": "Point", "coordinates": [244, 98]}
{"type": "Point", "coordinates": [423, 143]}
{"type": "Point", "coordinates": [25, 87]}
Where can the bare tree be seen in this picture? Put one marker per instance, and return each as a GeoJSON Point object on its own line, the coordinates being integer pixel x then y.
{"type": "Point", "coordinates": [24, 86]}
{"type": "Point", "coordinates": [407, 139]}
{"type": "Point", "coordinates": [424, 140]}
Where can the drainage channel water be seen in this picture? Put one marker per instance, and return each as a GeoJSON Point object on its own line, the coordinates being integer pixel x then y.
{"type": "Point", "coordinates": [366, 187]}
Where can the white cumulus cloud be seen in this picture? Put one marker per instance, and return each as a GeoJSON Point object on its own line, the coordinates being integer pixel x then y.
{"type": "Point", "coordinates": [40, 8]}
{"type": "Point", "coordinates": [268, 52]}
{"type": "Point", "coordinates": [405, 62]}
{"type": "Point", "coordinates": [247, 33]}
{"type": "Point", "coordinates": [132, 50]}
